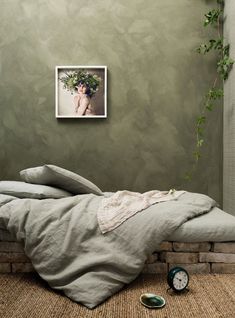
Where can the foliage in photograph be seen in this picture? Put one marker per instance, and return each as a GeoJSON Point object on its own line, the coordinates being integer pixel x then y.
{"type": "Point", "coordinates": [72, 79]}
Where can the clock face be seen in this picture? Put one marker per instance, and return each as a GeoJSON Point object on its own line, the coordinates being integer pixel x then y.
{"type": "Point", "coordinates": [180, 280]}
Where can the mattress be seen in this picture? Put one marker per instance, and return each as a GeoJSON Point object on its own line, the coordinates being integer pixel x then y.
{"type": "Point", "coordinates": [215, 226]}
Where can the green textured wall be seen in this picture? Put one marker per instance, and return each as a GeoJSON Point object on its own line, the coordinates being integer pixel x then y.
{"type": "Point", "coordinates": [156, 83]}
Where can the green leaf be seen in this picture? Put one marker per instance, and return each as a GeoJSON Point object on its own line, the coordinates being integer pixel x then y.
{"type": "Point", "coordinates": [200, 142]}
{"type": "Point", "coordinates": [197, 155]}
{"type": "Point", "coordinates": [215, 93]}
{"type": "Point", "coordinates": [212, 17]}
{"type": "Point", "coordinates": [209, 107]}
{"type": "Point", "coordinates": [218, 44]}
{"type": "Point", "coordinates": [226, 50]}
{"type": "Point", "coordinates": [201, 120]}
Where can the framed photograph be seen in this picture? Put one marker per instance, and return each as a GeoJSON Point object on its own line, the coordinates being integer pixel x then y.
{"type": "Point", "coordinates": [81, 91]}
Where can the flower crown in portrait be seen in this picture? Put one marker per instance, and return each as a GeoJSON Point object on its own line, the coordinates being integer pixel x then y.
{"type": "Point", "coordinates": [72, 79]}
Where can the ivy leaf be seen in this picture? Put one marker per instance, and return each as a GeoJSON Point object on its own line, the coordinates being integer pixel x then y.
{"type": "Point", "coordinates": [226, 50]}
{"type": "Point", "coordinates": [201, 120]}
{"type": "Point", "coordinates": [197, 155]}
{"type": "Point", "coordinates": [200, 142]}
{"type": "Point", "coordinates": [212, 17]}
{"type": "Point", "coordinates": [209, 107]}
{"type": "Point", "coordinates": [218, 44]}
{"type": "Point", "coordinates": [215, 93]}
{"type": "Point", "coordinates": [224, 66]}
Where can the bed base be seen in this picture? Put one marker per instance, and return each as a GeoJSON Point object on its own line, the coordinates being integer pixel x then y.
{"type": "Point", "coordinates": [203, 257]}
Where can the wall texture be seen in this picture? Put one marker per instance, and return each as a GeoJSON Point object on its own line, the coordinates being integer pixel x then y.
{"type": "Point", "coordinates": [156, 84]}
{"type": "Point", "coordinates": [229, 115]}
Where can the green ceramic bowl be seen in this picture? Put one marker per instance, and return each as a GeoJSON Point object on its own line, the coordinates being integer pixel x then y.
{"type": "Point", "coordinates": [152, 301]}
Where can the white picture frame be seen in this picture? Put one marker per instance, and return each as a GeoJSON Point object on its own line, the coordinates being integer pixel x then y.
{"type": "Point", "coordinates": [80, 91]}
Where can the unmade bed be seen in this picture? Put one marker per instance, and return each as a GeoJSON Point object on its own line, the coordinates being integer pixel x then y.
{"type": "Point", "coordinates": [63, 239]}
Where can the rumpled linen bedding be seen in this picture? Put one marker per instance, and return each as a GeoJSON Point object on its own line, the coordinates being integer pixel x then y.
{"type": "Point", "coordinates": [117, 208]}
{"type": "Point", "coordinates": [63, 239]}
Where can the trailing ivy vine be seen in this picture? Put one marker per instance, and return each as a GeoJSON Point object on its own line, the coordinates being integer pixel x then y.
{"type": "Point", "coordinates": [213, 18]}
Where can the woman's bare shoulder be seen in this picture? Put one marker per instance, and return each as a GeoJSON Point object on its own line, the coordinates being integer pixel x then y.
{"type": "Point", "coordinates": [76, 98]}
{"type": "Point", "coordinates": [85, 99]}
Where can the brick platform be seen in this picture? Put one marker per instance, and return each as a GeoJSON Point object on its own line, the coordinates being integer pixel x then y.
{"type": "Point", "coordinates": [205, 257]}
{"type": "Point", "coordinates": [13, 258]}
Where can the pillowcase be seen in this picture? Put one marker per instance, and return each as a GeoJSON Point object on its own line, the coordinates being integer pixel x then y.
{"type": "Point", "coordinates": [61, 178]}
{"type": "Point", "coordinates": [21, 189]}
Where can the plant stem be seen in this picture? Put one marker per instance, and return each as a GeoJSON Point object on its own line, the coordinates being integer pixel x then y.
{"type": "Point", "coordinates": [203, 112]}
{"type": "Point", "coordinates": [223, 67]}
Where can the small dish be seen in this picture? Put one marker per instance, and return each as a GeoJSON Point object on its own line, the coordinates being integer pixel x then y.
{"type": "Point", "coordinates": [152, 301]}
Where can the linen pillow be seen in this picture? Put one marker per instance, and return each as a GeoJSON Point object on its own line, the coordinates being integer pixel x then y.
{"type": "Point", "coordinates": [61, 178]}
{"type": "Point", "coordinates": [21, 189]}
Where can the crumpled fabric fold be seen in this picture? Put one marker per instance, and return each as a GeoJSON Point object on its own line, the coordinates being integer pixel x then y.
{"type": "Point", "coordinates": [119, 207]}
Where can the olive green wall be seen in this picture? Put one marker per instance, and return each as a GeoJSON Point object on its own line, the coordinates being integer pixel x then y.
{"type": "Point", "coordinates": [156, 84]}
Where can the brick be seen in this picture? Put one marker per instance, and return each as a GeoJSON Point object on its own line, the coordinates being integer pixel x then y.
{"type": "Point", "coordinates": [152, 258]}
{"type": "Point", "coordinates": [11, 247]}
{"type": "Point", "coordinates": [165, 246]}
{"type": "Point", "coordinates": [194, 268]}
{"type": "Point", "coordinates": [13, 257]}
{"type": "Point", "coordinates": [191, 247]}
{"type": "Point", "coordinates": [223, 268]}
{"type": "Point", "coordinates": [181, 258]}
{"type": "Point", "coordinates": [5, 268]}
{"type": "Point", "coordinates": [228, 247]}
{"type": "Point", "coordinates": [22, 268]}
{"type": "Point", "coordinates": [216, 257]}
{"type": "Point", "coordinates": [6, 236]}
{"type": "Point", "coordinates": [156, 268]}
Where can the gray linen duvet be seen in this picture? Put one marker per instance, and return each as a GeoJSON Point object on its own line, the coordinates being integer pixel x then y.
{"type": "Point", "coordinates": [64, 242]}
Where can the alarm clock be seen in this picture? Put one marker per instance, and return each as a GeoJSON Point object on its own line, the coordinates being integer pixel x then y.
{"type": "Point", "coordinates": [178, 279]}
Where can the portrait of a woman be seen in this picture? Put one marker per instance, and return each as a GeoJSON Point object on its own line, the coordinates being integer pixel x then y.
{"type": "Point", "coordinates": [82, 101]}
{"type": "Point", "coordinates": [81, 92]}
